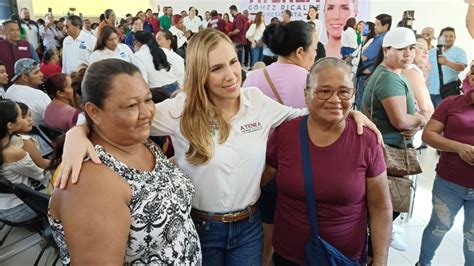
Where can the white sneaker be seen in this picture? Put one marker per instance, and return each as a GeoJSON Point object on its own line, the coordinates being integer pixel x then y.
{"type": "Point", "coordinates": [397, 242]}
{"type": "Point", "coordinates": [397, 229]}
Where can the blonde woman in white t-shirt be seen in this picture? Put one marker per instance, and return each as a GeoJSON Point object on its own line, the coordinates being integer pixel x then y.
{"type": "Point", "coordinates": [108, 47]}
{"type": "Point", "coordinates": [254, 35]}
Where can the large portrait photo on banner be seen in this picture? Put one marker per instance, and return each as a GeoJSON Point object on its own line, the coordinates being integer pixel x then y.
{"type": "Point", "coordinates": [331, 16]}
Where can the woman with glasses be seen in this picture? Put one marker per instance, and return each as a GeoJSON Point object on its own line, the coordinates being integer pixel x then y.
{"type": "Point", "coordinates": [350, 187]}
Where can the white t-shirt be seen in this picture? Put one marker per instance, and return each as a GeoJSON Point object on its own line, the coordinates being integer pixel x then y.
{"type": "Point", "coordinates": [77, 52]}
{"type": "Point", "coordinates": [319, 27]}
{"type": "Point", "coordinates": [255, 32]}
{"type": "Point", "coordinates": [230, 181]}
{"type": "Point", "coordinates": [32, 33]}
{"type": "Point", "coordinates": [192, 24]}
{"type": "Point", "coordinates": [177, 65]}
{"type": "Point", "coordinates": [349, 38]}
{"type": "Point", "coordinates": [48, 36]}
{"type": "Point", "coordinates": [36, 100]}
{"type": "Point", "coordinates": [155, 78]}
{"type": "Point", "coordinates": [179, 35]}
{"type": "Point", "coordinates": [122, 52]}
{"type": "Point", "coordinates": [18, 172]}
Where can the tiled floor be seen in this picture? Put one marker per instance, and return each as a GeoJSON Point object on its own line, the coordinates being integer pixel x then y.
{"type": "Point", "coordinates": [449, 253]}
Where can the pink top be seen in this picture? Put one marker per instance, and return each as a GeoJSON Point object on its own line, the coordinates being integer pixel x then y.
{"type": "Point", "coordinates": [457, 115]}
{"type": "Point", "coordinates": [289, 80]}
{"type": "Point", "coordinates": [340, 188]}
{"type": "Point", "coordinates": [60, 116]}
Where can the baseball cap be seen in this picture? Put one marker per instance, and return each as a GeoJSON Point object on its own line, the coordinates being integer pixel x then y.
{"type": "Point", "coordinates": [23, 66]}
{"type": "Point", "coordinates": [399, 38]}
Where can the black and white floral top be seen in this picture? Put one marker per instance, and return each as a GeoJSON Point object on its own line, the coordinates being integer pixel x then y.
{"type": "Point", "coordinates": [161, 231]}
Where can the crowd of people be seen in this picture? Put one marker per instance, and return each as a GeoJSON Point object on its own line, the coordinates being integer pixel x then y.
{"type": "Point", "coordinates": [184, 132]}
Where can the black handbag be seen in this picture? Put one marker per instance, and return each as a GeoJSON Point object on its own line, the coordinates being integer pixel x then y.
{"type": "Point", "coordinates": [317, 250]}
{"type": "Point", "coordinates": [452, 88]}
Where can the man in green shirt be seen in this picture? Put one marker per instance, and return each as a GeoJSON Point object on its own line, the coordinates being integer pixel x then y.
{"type": "Point", "coordinates": [165, 20]}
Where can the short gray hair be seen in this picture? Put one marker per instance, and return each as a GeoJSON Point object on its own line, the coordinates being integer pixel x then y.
{"type": "Point", "coordinates": [322, 64]}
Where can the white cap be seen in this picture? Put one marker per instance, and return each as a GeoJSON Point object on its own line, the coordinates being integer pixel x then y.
{"type": "Point", "coordinates": [399, 38]}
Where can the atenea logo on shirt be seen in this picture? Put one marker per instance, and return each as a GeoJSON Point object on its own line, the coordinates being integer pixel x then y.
{"type": "Point", "coordinates": [252, 127]}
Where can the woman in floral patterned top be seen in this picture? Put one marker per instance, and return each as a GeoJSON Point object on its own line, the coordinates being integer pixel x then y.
{"type": "Point", "coordinates": [134, 208]}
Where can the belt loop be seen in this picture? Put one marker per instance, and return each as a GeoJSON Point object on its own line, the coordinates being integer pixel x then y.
{"type": "Point", "coordinates": [249, 210]}
{"type": "Point", "coordinates": [209, 219]}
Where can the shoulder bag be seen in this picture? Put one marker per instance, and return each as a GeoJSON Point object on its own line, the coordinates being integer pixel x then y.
{"type": "Point", "coordinates": [272, 86]}
{"type": "Point", "coordinates": [317, 251]}
{"type": "Point", "coordinates": [452, 88]}
{"type": "Point", "coordinates": [400, 162]}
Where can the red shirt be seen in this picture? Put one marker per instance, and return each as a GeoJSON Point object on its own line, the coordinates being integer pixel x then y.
{"type": "Point", "coordinates": [457, 115]}
{"type": "Point", "coordinates": [50, 69]}
{"type": "Point", "coordinates": [340, 187]}
{"type": "Point", "coordinates": [240, 22]}
{"type": "Point", "coordinates": [155, 23]}
{"type": "Point", "coordinates": [217, 24]}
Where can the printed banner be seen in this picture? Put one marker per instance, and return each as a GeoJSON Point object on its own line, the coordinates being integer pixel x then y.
{"type": "Point", "coordinates": [332, 15]}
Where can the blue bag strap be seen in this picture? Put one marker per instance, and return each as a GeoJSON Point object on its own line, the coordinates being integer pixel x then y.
{"type": "Point", "coordinates": [308, 177]}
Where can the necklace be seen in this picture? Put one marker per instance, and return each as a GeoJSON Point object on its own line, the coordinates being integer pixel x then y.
{"type": "Point", "coordinates": [214, 127]}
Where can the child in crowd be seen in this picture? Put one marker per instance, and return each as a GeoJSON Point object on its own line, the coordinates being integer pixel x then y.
{"type": "Point", "coordinates": [16, 165]}
{"type": "Point", "coordinates": [22, 140]}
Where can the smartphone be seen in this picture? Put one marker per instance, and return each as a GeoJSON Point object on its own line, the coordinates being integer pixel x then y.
{"type": "Point", "coordinates": [441, 40]}
{"type": "Point", "coordinates": [366, 30]}
{"type": "Point", "coordinates": [50, 10]}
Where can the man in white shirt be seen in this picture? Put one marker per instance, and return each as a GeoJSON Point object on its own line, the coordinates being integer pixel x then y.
{"type": "Point", "coordinates": [50, 33]}
{"type": "Point", "coordinates": [27, 78]}
{"type": "Point", "coordinates": [77, 47]}
{"type": "Point", "coordinates": [32, 29]}
{"type": "Point", "coordinates": [206, 20]}
{"type": "Point", "coordinates": [87, 26]}
{"type": "Point", "coordinates": [192, 22]}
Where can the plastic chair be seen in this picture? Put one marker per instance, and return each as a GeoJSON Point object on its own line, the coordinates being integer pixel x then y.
{"type": "Point", "coordinates": [50, 132]}
{"type": "Point", "coordinates": [38, 202]}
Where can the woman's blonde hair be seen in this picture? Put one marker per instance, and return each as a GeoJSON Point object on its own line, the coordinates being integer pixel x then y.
{"type": "Point", "coordinates": [201, 117]}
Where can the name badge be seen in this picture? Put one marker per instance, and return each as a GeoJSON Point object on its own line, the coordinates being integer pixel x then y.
{"type": "Point", "coordinates": [23, 48]}
{"type": "Point", "coordinates": [82, 45]}
{"type": "Point", "coordinates": [252, 127]}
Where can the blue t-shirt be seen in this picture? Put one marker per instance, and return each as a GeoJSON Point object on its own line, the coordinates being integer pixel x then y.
{"type": "Point", "coordinates": [453, 54]}
{"type": "Point", "coordinates": [372, 52]}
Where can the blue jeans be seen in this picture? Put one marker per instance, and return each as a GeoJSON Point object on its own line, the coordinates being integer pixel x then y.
{"type": "Point", "coordinates": [436, 99]}
{"type": "Point", "coordinates": [18, 214]}
{"type": "Point", "coordinates": [231, 244]}
{"type": "Point", "coordinates": [360, 91]}
{"type": "Point", "coordinates": [257, 54]}
{"type": "Point", "coordinates": [240, 53]}
{"type": "Point", "coordinates": [170, 88]}
{"type": "Point", "coordinates": [448, 199]}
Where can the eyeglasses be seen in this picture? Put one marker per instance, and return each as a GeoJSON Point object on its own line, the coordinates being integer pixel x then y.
{"type": "Point", "coordinates": [325, 93]}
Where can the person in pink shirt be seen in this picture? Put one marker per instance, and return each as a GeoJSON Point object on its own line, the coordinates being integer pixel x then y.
{"type": "Point", "coordinates": [295, 44]}
{"type": "Point", "coordinates": [59, 113]}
